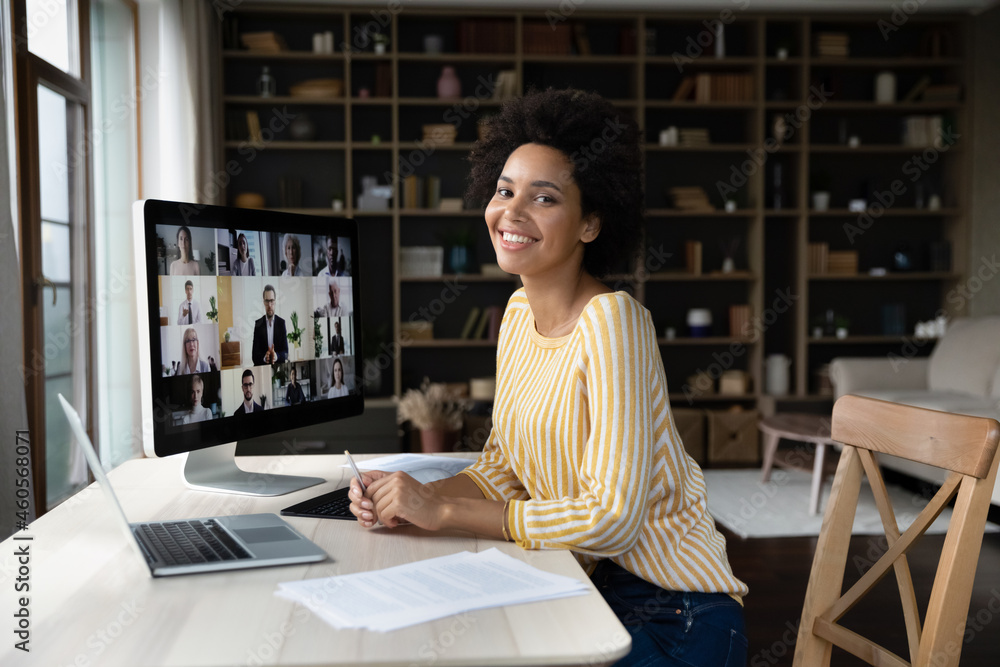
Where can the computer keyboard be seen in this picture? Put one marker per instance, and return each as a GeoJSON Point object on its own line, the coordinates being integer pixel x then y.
{"type": "Point", "coordinates": [333, 505]}
{"type": "Point", "coordinates": [186, 542]}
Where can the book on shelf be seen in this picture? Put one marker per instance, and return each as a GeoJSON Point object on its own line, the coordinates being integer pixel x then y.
{"type": "Point", "coordinates": [253, 127]}
{"type": "Point", "coordinates": [267, 41]}
{"type": "Point", "coordinates": [484, 35]}
{"type": "Point", "coordinates": [739, 320]}
{"type": "Point", "coordinates": [923, 131]}
{"type": "Point", "coordinates": [833, 44]}
{"type": "Point", "coordinates": [413, 192]}
{"type": "Point", "coordinates": [684, 89]}
{"type": "Point", "coordinates": [723, 87]}
{"type": "Point", "coordinates": [818, 257]}
{"type": "Point", "coordinates": [383, 80]}
{"type": "Point", "coordinates": [470, 322]}
{"type": "Point", "coordinates": [505, 87]}
{"type": "Point", "coordinates": [692, 257]}
{"type": "Point", "coordinates": [942, 92]}
{"type": "Point", "coordinates": [433, 192]}
{"type": "Point", "coordinates": [917, 90]}
{"type": "Point", "coordinates": [580, 39]}
{"type": "Point", "coordinates": [842, 262]}
{"type": "Point", "coordinates": [482, 324]}
{"type": "Point", "coordinates": [690, 198]}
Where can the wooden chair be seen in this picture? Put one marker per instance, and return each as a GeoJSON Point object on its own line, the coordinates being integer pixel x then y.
{"type": "Point", "coordinates": [962, 444]}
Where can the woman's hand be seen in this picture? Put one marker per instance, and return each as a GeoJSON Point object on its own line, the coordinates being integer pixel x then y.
{"type": "Point", "coordinates": [394, 499]}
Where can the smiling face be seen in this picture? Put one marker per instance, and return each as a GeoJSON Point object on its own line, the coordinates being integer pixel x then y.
{"type": "Point", "coordinates": [535, 218]}
{"type": "Point", "coordinates": [243, 248]}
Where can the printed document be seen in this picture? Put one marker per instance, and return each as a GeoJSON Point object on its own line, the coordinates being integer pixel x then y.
{"type": "Point", "coordinates": [404, 595]}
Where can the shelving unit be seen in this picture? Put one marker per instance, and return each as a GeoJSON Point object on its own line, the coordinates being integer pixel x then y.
{"type": "Point", "coordinates": [638, 60]}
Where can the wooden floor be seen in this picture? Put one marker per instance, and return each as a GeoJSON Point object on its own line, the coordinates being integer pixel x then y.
{"type": "Point", "coordinates": [777, 569]}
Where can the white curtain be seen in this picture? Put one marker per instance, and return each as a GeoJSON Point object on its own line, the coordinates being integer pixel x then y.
{"type": "Point", "coordinates": [184, 140]}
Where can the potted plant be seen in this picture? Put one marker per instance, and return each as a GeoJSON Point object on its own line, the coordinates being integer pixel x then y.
{"type": "Point", "coordinates": [435, 410]}
{"type": "Point", "coordinates": [213, 314]}
{"type": "Point", "coordinates": [295, 335]}
{"type": "Point", "coordinates": [318, 333]}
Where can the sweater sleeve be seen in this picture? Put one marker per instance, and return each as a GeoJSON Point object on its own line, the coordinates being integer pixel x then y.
{"type": "Point", "coordinates": [612, 386]}
{"type": "Point", "coordinates": [493, 474]}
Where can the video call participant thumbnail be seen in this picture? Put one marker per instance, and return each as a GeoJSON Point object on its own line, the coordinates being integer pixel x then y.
{"type": "Point", "coordinates": [189, 312]}
{"type": "Point", "coordinates": [248, 405]}
{"type": "Point", "coordinates": [270, 341]}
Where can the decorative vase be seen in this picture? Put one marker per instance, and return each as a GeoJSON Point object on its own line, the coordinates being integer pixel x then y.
{"type": "Point", "coordinates": [460, 259]}
{"type": "Point", "coordinates": [449, 85]}
{"type": "Point", "coordinates": [436, 440]}
{"type": "Point", "coordinates": [302, 128]}
{"type": "Point", "coordinates": [821, 201]}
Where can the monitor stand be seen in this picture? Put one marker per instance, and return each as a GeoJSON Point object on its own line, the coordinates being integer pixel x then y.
{"type": "Point", "coordinates": [215, 469]}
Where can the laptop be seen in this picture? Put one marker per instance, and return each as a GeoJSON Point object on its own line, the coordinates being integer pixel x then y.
{"type": "Point", "coordinates": [211, 544]}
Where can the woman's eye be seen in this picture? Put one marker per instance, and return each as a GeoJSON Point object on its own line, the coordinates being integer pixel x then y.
{"type": "Point", "coordinates": [545, 199]}
{"type": "Point", "coordinates": [503, 192]}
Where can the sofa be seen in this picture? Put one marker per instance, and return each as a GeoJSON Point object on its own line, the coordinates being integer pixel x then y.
{"type": "Point", "coordinates": [961, 375]}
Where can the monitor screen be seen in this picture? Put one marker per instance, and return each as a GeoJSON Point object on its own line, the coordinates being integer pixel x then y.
{"type": "Point", "coordinates": [252, 323]}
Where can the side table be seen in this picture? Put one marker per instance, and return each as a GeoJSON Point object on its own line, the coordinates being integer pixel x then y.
{"type": "Point", "coordinates": [800, 427]}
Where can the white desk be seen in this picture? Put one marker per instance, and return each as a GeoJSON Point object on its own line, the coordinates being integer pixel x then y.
{"type": "Point", "coordinates": [93, 603]}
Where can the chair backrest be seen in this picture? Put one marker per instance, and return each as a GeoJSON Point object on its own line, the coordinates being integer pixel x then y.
{"type": "Point", "coordinates": [962, 444]}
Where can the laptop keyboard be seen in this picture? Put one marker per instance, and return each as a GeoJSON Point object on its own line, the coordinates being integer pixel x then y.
{"type": "Point", "coordinates": [187, 542]}
{"type": "Point", "coordinates": [333, 505]}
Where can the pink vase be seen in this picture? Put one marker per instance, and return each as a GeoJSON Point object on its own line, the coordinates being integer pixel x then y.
{"type": "Point", "coordinates": [448, 84]}
{"type": "Point", "coordinates": [434, 440]}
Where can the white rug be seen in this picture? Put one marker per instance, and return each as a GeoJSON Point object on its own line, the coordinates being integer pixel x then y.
{"type": "Point", "coordinates": [780, 508]}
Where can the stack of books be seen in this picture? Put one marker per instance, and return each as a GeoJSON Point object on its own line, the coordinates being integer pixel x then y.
{"type": "Point", "coordinates": [818, 258]}
{"type": "Point", "coordinates": [691, 198]}
{"type": "Point", "coordinates": [695, 137]}
{"type": "Point", "coordinates": [943, 92]}
{"type": "Point", "coordinates": [543, 38]}
{"type": "Point", "coordinates": [922, 131]}
{"type": "Point", "coordinates": [842, 262]}
{"type": "Point", "coordinates": [439, 134]}
{"type": "Point", "coordinates": [485, 36]}
{"type": "Point", "coordinates": [833, 44]}
{"type": "Point", "coordinates": [268, 41]}
{"type": "Point", "coordinates": [721, 87]}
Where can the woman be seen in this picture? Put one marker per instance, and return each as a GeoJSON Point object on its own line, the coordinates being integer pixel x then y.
{"type": "Point", "coordinates": [339, 388]}
{"type": "Point", "coordinates": [243, 266]}
{"type": "Point", "coordinates": [583, 454]}
{"type": "Point", "coordinates": [192, 362]}
{"type": "Point", "coordinates": [198, 412]}
{"type": "Point", "coordinates": [186, 265]}
{"type": "Point", "coordinates": [293, 252]}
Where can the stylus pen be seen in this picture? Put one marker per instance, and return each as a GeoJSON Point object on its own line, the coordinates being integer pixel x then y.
{"type": "Point", "coordinates": [357, 475]}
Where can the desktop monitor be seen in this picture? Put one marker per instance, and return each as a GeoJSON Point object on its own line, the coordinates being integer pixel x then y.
{"type": "Point", "coordinates": [249, 324]}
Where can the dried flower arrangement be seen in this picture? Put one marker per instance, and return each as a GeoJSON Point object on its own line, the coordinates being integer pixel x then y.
{"type": "Point", "coordinates": [433, 406]}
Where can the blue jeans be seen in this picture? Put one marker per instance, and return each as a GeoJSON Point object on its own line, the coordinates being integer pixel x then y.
{"type": "Point", "coordinates": [668, 628]}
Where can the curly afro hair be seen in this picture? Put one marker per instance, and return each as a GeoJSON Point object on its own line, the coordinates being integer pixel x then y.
{"type": "Point", "coordinates": [601, 143]}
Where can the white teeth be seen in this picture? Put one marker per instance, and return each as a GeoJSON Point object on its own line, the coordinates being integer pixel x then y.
{"type": "Point", "coordinates": [514, 238]}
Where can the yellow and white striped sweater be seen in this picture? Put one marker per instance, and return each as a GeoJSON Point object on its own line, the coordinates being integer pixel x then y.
{"type": "Point", "coordinates": [584, 442]}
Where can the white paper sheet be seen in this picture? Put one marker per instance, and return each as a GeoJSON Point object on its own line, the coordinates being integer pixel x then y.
{"type": "Point", "coordinates": [404, 595]}
{"type": "Point", "coordinates": [423, 467]}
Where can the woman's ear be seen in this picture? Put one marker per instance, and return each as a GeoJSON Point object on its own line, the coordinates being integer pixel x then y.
{"type": "Point", "coordinates": [592, 227]}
